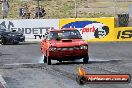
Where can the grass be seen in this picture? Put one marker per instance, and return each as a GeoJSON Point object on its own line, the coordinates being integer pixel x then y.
{"type": "Point", "coordinates": [66, 8]}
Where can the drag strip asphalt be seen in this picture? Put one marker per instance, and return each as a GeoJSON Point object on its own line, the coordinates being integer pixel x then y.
{"type": "Point", "coordinates": [22, 66]}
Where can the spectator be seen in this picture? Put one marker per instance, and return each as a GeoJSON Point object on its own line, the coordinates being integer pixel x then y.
{"type": "Point", "coordinates": [43, 11]}
{"type": "Point", "coordinates": [37, 12]}
{"type": "Point", "coordinates": [40, 12]}
{"type": "Point", "coordinates": [25, 12]}
{"type": "Point", "coordinates": [32, 13]}
{"type": "Point", "coordinates": [5, 6]}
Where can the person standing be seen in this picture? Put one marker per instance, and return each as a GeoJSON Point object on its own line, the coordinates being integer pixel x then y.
{"type": "Point", "coordinates": [5, 6]}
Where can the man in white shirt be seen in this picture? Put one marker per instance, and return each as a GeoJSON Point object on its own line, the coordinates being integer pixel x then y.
{"type": "Point", "coordinates": [5, 7]}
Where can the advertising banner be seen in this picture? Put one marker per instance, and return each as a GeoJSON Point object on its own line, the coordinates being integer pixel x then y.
{"type": "Point", "coordinates": [33, 29]}
{"type": "Point", "coordinates": [123, 34]}
{"type": "Point", "coordinates": [92, 29]}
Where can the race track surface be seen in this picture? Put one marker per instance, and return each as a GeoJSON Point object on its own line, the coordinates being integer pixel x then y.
{"type": "Point", "coordinates": [22, 67]}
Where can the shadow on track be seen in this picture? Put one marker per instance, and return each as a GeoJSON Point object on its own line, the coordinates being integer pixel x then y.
{"type": "Point", "coordinates": [1, 54]}
{"type": "Point", "coordinates": [24, 43]}
{"type": "Point", "coordinates": [29, 43]}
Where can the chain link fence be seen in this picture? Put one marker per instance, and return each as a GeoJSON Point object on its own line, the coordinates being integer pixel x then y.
{"type": "Point", "coordinates": [120, 9]}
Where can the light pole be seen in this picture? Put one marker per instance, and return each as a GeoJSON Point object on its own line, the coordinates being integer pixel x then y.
{"type": "Point", "coordinates": [115, 8]}
{"type": "Point", "coordinates": [38, 9]}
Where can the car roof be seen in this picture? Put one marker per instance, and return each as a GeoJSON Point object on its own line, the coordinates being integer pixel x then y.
{"type": "Point", "coordinates": [64, 29]}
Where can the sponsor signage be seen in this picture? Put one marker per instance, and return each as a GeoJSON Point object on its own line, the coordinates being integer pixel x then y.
{"type": "Point", "coordinates": [83, 77]}
{"type": "Point", "coordinates": [33, 29]}
{"type": "Point", "coordinates": [91, 29]}
{"type": "Point", "coordinates": [123, 34]}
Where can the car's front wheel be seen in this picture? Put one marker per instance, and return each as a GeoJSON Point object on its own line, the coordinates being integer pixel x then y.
{"type": "Point", "coordinates": [3, 41]}
{"type": "Point", "coordinates": [60, 61]}
{"type": "Point", "coordinates": [15, 43]}
{"type": "Point", "coordinates": [86, 59]}
{"type": "Point", "coordinates": [44, 59]}
{"type": "Point", "coordinates": [48, 60]}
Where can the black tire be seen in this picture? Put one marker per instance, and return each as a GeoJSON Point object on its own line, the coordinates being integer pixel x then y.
{"type": "Point", "coordinates": [86, 59]}
{"type": "Point", "coordinates": [48, 60]}
{"type": "Point", "coordinates": [15, 43]}
{"type": "Point", "coordinates": [3, 42]}
{"type": "Point", "coordinates": [45, 59]}
{"type": "Point", "coordinates": [60, 61]}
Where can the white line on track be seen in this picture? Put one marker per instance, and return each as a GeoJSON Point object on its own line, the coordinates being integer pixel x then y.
{"type": "Point", "coordinates": [2, 81]}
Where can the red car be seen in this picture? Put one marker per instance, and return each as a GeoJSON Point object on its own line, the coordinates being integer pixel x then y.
{"type": "Point", "coordinates": [64, 45]}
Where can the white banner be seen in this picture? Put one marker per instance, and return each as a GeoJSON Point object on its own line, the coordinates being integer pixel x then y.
{"type": "Point", "coordinates": [33, 29]}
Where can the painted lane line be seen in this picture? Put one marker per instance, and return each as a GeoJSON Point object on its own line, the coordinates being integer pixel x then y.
{"type": "Point", "coordinates": [3, 84]}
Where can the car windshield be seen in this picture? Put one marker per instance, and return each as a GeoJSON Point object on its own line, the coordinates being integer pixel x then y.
{"type": "Point", "coordinates": [65, 34]}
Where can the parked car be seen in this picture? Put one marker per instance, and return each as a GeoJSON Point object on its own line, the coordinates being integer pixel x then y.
{"type": "Point", "coordinates": [10, 36]}
{"type": "Point", "coordinates": [64, 45]}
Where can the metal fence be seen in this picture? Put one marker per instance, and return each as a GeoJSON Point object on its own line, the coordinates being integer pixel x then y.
{"type": "Point", "coordinates": [76, 8]}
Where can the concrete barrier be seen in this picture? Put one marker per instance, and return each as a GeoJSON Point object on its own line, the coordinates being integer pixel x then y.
{"type": "Point", "coordinates": [91, 29]}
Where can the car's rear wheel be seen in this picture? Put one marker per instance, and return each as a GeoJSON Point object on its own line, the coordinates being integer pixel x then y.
{"type": "Point", "coordinates": [3, 42]}
{"type": "Point", "coordinates": [86, 59]}
{"type": "Point", "coordinates": [48, 60]}
{"type": "Point", "coordinates": [15, 43]}
{"type": "Point", "coordinates": [44, 59]}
